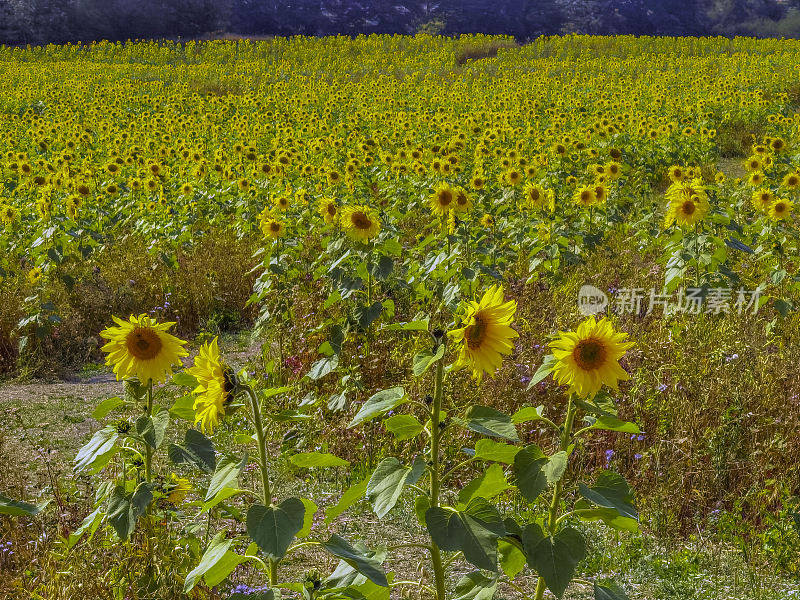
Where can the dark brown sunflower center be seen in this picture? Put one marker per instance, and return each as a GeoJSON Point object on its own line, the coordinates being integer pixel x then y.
{"type": "Point", "coordinates": [534, 195]}
{"type": "Point", "coordinates": [445, 198]}
{"type": "Point", "coordinates": [143, 343]}
{"type": "Point", "coordinates": [589, 354]}
{"type": "Point", "coordinates": [779, 208]}
{"type": "Point", "coordinates": [360, 220]}
{"type": "Point", "coordinates": [476, 332]}
{"type": "Point", "coordinates": [274, 227]}
{"type": "Point", "coordinates": [331, 210]}
{"type": "Point", "coordinates": [688, 208]}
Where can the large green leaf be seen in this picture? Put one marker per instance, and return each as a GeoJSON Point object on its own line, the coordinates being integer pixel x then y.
{"type": "Point", "coordinates": [106, 406]}
{"type": "Point", "coordinates": [311, 460]}
{"type": "Point", "coordinates": [308, 517]}
{"type": "Point", "coordinates": [492, 422]}
{"type": "Point", "coordinates": [534, 471]}
{"type": "Point", "coordinates": [611, 491]}
{"type": "Point", "coordinates": [124, 509]}
{"type": "Point", "coordinates": [274, 527]}
{"type": "Point", "coordinates": [475, 586]}
{"type": "Point", "coordinates": [98, 451]}
{"type": "Point", "coordinates": [352, 495]}
{"type": "Point", "coordinates": [615, 424]}
{"type": "Point", "coordinates": [386, 484]}
{"type": "Point", "coordinates": [488, 485]}
{"type": "Point", "coordinates": [609, 591]}
{"type": "Point", "coordinates": [379, 403]}
{"type": "Point", "coordinates": [197, 449]}
{"type": "Point", "coordinates": [217, 563]}
{"type": "Point", "coordinates": [227, 472]}
{"type": "Point", "coordinates": [528, 413]}
{"type": "Point", "coordinates": [404, 427]}
{"type": "Point", "coordinates": [152, 429]}
{"type": "Point", "coordinates": [17, 508]}
{"type": "Point", "coordinates": [554, 558]}
{"type": "Point", "coordinates": [323, 366]}
{"type": "Point", "coordinates": [369, 566]}
{"type": "Point", "coordinates": [487, 449]}
{"type": "Point", "coordinates": [609, 516]}
{"type": "Point", "coordinates": [474, 531]}
{"type": "Point", "coordinates": [512, 559]}
{"type": "Point", "coordinates": [543, 371]}
{"type": "Point", "coordinates": [424, 359]}
{"type": "Point", "coordinates": [183, 408]}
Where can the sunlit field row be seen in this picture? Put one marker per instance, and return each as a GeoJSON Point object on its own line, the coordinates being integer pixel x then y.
{"type": "Point", "coordinates": [506, 309]}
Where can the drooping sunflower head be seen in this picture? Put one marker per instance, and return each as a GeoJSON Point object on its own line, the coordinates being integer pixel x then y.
{"type": "Point", "coordinates": [443, 199]}
{"type": "Point", "coordinates": [486, 334]}
{"type": "Point", "coordinates": [588, 358]}
{"type": "Point", "coordinates": [361, 223]}
{"type": "Point", "coordinates": [216, 386]}
{"type": "Point", "coordinates": [780, 209]}
{"type": "Point", "coordinates": [140, 347]}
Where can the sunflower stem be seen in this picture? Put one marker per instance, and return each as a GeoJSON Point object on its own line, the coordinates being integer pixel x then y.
{"type": "Point", "coordinates": [552, 518]}
{"type": "Point", "coordinates": [148, 451]}
{"type": "Point", "coordinates": [436, 555]}
{"type": "Point", "coordinates": [262, 459]}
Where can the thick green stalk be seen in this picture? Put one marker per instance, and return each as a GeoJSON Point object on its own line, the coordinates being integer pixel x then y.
{"type": "Point", "coordinates": [148, 451]}
{"type": "Point", "coordinates": [552, 519]}
{"type": "Point", "coordinates": [436, 555]}
{"type": "Point", "coordinates": [262, 459]}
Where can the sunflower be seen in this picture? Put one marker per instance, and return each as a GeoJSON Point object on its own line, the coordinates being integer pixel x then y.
{"type": "Point", "coordinates": [487, 220]}
{"type": "Point", "coordinates": [142, 348]}
{"type": "Point", "coordinates": [272, 228]}
{"type": "Point", "coordinates": [486, 333]}
{"type": "Point", "coordinates": [216, 386]}
{"type": "Point", "coordinates": [361, 223]}
{"type": "Point", "coordinates": [780, 209]}
{"type": "Point", "coordinates": [754, 163]}
{"type": "Point", "coordinates": [588, 357]}
{"type": "Point", "coordinates": [463, 202]}
{"type": "Point", "coordinates": [756, 178]}
{"type": "Point", "coordinates": [35, 275]}
{"type": "Point", "coordinates": [328, 209]}
{"type": "Point", "coordinates": [178, 488]}
{"type": "Point", "coordinates": [534, 196]}
{"type": "Point", "coordinates": [442, 199]}
{"type": "Point", "coordinates": [8, 214]}
{"type": "Point", "coordinates": [761, 199]}
{"type": "Point", "coordinates": [685, 211]}
{"type": "Point", "coordinates": [585, 196]}
{"type": "Point", "coordinates": [791, 181]}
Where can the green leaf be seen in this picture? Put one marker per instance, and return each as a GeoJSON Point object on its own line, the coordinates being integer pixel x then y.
{"type": "Point", "coordinates": [534, 470]}
{"type": "Point", "coordinates": [475, 586]}
{"type": "Point", "coordinates": [90, 524]}
{"type": "Point", "coordinates": [487, 449]}
{"type": "Point", "coordinates": [308, 517]}
{"type": "Point", "coordinates": [274, 528]}
{"type": "Point", "coordinates": [183, 408]}
{"type": "Point", "coordinates": [352, 495]}
{"type": "Point", "coordinates": [609, 516]}
{"type": "Point", "coordinates": [152, 429]}
{"type": "Point", "coordinates": [410, 326]}
{"type": "Point", "coordinates": [124, 509]}
{"type": "Point", "coordinates": [609, 591]}
{"type": "Point", "coordinates": [226, 473]}
{"type": "Point", "coordinates": [554, 558]}
{"type": "Point", "coordinates": [474, 531]}
{"type": "Point", "coordinates": [386, 484]}
{"type": "Point", "coordinates": [183, 378]}
{"type": "Point", "coordinates": [423, 360]}
{"type": "Point", "coordinates": [492, 422]}
{"type": "Point", "coordinates": [368, 566]}
{"type": "Point", "coordinates": [345, 575]}
{"type": "Point", "coordinates": [491, 483]}
{"type": "Point", "coordinates": [216, 564]}
{"type": "Point", "coordinates": [611, 491]}
{"type": "Point", "coordinates": [379, 403]}
{"type": "Point", "coordinates": [106, 406]}
{"type": "Point", "coordinates": [220, 496]}
{"type": "Point", "coordinates": [421, 505]}
{"type": "Point", "coordinates": [602, 405]}
{"type": "Point", "coordinates": [367, 315]}
{"type": "Point", "coordinates": [323, 366]}
{"type": "Point", "coordinates": [16, 508]}
{"type": "Point", "coordinates": [543, 371]}
{"type": "Point", "coordinates": [310, 460]}
{"type": "Point", "coordinates": [197, 450]}
{"type": "Point", "coordinates": [528, 413]}
{"type": "Point", "coordinates": [96, 454]}
{"type": "Point", "coordinates": [512, 559]}
{"type": "Point", "coordinates": [615, 424]}
{"type": "Point", "coordinates": [404, 427]}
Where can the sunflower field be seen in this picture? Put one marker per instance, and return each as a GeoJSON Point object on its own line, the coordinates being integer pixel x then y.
{"type": "Point", "coordinates": [401, 317]}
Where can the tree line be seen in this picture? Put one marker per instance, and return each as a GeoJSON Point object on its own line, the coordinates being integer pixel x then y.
{"type": "Point", "coordinates": [46, 21]}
